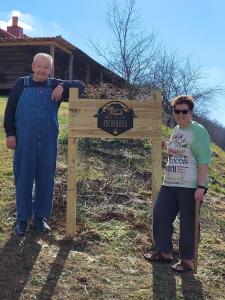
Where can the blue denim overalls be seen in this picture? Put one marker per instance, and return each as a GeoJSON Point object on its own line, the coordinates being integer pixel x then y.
{"type": "Point", "coordinates": [36, 150]}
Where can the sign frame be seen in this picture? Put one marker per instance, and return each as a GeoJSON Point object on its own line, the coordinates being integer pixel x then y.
{"type": "Point", "coordinates": [83, 123]}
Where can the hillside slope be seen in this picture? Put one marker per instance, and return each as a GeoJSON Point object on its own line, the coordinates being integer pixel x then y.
{"type": "Point", "coordinates": [105, 260]}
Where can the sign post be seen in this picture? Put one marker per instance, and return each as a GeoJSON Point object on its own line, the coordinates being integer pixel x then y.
{"type": "Point", "coordinates": [98, 118]}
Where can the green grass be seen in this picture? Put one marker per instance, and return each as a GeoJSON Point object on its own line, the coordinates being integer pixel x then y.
{"type": "Point", "coordinates": [217, 174]}
{"type": "Point", "coordinates": [105, 259]}
{"type": "Point", "coordinates": [6, 179]}
{"type": "Point", "coordinates": [166, 131]}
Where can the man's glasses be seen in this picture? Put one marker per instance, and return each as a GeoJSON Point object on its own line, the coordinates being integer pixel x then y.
{"type": "Point", "coordinates": [183, 111]}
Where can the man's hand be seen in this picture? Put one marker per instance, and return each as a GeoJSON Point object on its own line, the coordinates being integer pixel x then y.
{"type": "Point", "coordinates": [57, 93]}
{"type": "Point", "coordinates": [11, 142]}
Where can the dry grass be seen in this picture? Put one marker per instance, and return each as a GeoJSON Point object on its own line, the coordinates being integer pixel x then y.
{"type": "Point", "coordinates": [105, 260]}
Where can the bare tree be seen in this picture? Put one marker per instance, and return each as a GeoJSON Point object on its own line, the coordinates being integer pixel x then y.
{"type": "Point", "coordinates": [132, 51]}
{"type": "Point", "coordinates": [144, 63]}
{"type": "Point", "coordinates": [175, 75]}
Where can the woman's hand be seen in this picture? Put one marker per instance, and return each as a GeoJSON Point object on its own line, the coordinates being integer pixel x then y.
{"type": "Point", "coordinates": [199, 194]}
{"type": "Point", "coordinates": [164, 143]}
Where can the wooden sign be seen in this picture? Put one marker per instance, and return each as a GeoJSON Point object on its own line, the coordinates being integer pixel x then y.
{"type": "Point", "coordinates": [99, 118]}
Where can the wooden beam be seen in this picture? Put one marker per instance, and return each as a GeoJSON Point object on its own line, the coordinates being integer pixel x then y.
{"type": "Point", "coordinates": [156, 167]}
{"type": "Point", "coordinates": [157, 151]}
{"type": "Point", "coordinates": [146, 124]}
{"type": "Point", "coordinates": [87, 78]}
{"type": "Point", "coordinates": [71, 210]}
{"type": "Point", "coordinates": [6, 85]}
{"type": "Point", "coordinates": [71, 67]}
{"type": "Point", "coordinates": [52, 53]}
{"type": "Point", "coordinates": [101, 77]}
{"type": "Point", "coordinates": [62, 48]}
{"type": "Point", "coordinates": [156, 159]}
{"type": "Point", "coordinates": [34, 43]}
{"type": "Point", "coordinates": [25, 43]}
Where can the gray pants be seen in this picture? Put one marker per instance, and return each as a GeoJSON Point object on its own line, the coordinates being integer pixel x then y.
{"type": "Point", "coordinates": [169, 202]}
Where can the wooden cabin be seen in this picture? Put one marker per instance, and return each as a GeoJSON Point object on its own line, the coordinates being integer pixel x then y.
{"type": "Point", "coordinates": [17, 51]}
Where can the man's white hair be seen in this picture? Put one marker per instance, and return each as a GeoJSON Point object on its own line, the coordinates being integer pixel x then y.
{"type": "Point", "coordinates": [43, 55]}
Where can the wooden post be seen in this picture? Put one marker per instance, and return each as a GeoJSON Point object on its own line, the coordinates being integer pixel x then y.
{"type": "Point", "coordinates": [156, 167]}
{"type": "Point", "coordinates": [101, 77]}
{"type": "Point", "coordinates": [52, 53]}
{"type": "Point", "coordinates": [72, 173]}
{"type": "Point", "coordinates": [156, 162]}
{"type": "Point", "coordinates": [87, 77]}
{"type": "Point", "coordinates": [156, 154]}
{"type": "Point", "coordinates": [71, 67]}
{"type": "Point", "coordinates": [156, 173]}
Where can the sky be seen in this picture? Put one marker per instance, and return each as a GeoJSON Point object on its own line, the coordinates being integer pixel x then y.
{"type": "Point", "coordinates": [191, 27]}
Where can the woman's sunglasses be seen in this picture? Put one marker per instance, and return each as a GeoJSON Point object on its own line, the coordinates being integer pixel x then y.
{"type": "Point", "coordinates": [183, 111]}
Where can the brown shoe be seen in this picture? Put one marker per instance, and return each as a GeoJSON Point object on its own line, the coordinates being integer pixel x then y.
{"type": "Point", "coordinates": [156, 256]}
{"type": "Point", "coordinates": [182, 267]}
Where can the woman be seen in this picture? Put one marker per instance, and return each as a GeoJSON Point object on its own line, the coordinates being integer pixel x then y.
{"type": "Point", "coordinates": [185, 182]}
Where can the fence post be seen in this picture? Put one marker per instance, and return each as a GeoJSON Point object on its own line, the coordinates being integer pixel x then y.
{"type": "Point", "coordinates": [71, 209]}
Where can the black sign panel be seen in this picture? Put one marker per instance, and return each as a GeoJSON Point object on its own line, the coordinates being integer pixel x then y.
{"type": "Point", "coordinates": [115, 117]}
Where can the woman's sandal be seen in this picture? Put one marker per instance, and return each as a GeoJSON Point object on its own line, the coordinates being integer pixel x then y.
{"type": "Point", "coordinates": [156, 256]}
{"type": "Point", "coordinates": [182, 267]}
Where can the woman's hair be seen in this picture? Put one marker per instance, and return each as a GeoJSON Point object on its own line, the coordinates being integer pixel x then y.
{"type": "Point", "coordinates": [43, 55]}
{"type": "Point", "coordinates": [183, 99]}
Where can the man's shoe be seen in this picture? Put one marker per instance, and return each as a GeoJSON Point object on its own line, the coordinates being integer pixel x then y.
{"type": "Point", "coordinates": [40, 225]}
{"type": "Point", "coordinates": [21, 228]}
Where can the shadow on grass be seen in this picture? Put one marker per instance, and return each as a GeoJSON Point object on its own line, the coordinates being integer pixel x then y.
{"type": "Point", "coordinates": [191, 287]}
{"type": "Point", "coordinates": [17, 258]}
{"type": "Point", "coordinates": [164, 284]}
{"type": "Point", "coordinates": [65, 246]}
{"type": "Point", "coordinates": [48, 289]}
